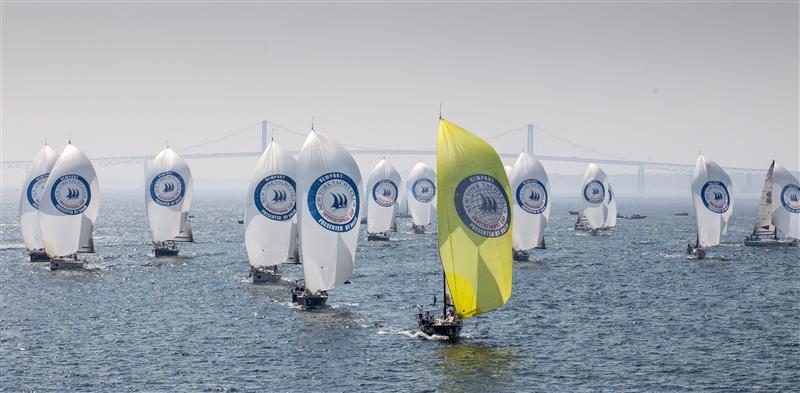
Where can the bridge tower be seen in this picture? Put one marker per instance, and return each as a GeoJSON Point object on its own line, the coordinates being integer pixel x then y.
{"type": "Point", "coordinates": [641, 179]}
{"type": "Point", "coordinates": [530, 139]}
{"type": "Point", "coordinates": [264, 141]}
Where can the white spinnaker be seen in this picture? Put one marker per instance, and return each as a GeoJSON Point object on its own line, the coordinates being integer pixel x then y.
{"type": "Point", "coordinates": [383, 189]}
{"type": "Point", "coordinates": [530, 189]}
{"type": "Point", "coordinates": [168, 185]}
{"type": "Point", "coordinates": [71, 190]}
{"type": "Point", "coordinates": [270, 218]}
{"type": "Point", "coordinates": [32, 192]}
{"type": "Point", "coordinates": [594, 193]}
{"type": "Point", "coordinates": [763, 225]}
{"type": "Point", "coordinates": [421, 193]}
{"type": "Point", "coordinates": [329, 184]}
{"type": "Point", "coordinates": [786, 202]}
{"type": "Point", "coordinates": [508, 169]}
{"type": "Point", "coordinates": [713, 201]}
{"type": "Point", "coordinates": [611, 208]}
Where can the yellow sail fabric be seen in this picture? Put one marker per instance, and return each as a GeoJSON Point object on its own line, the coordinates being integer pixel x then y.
{"type": "Point", "coordinates": [474, 221]}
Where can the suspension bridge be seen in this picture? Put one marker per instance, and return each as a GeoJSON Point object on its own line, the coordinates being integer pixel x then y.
{"type": "Point", "coordinates": [544, 145]}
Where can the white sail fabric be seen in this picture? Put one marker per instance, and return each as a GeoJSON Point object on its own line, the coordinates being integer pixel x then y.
{"type": "Point", "coordinates": [713, 202]}
{"type": "Point", "coordinates": [611, 208]}
{"type": "Point", "coordinates": [168, 186]}
{"type": "Point", "coordinates": [508, 169]}
{"type": "Point", "coordinates": [594, 193]}
{"type": "Point", "coordinates": [330, 215]}
{"type": "Point", "coordinates": [786, 213]}
{"type": "Point", "coordinates": [71, 189]}
{"type": "Point", "coordinates": [32, 192]}
{"type": "Point", "coordinates": [530, 189]}
{"type": "Point", "coordinates": [270, 218]}
{"type": "Point", "coordinates": [383, 188]}
{"type": "Point", "coordinates": [421, 193]}
{"type": "Point", "coordinates": [763, 225]}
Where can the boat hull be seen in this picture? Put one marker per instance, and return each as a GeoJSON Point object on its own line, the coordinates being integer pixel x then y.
{"type": "Point", "coordinates": [771, 243]}
{"type": "Point", "coordinates": [451, 330]}
{"type": "Point", "coordinates": [377, 237]}
{"type": "Point", "coordinates": [262, 276]}
{"type": "Point", "coordinates": [418, 229]}
{"type": "Point", "coordinates": [39, 256]}
{"type": "Point", "coordinates": [520, 255]}
{"type": "Point", "coordinates": [308, 300]}
{"type": "Point", "coordinates": [65, 264]}
{"type": "Point", "coordinates": [696, 253]}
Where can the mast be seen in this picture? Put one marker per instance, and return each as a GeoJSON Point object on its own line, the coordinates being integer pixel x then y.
{"type": "Point", "coordinates": [444, 293]}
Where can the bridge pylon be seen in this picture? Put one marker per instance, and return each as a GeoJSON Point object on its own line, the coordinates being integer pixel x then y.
{"type": "Point", "coordinates": [530, 139]}
{"type": "Point", "coordinates": [641, 179]}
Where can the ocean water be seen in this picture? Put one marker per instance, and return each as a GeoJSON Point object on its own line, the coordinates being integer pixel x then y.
{"type": "Point", "coordinates": [626, 311]}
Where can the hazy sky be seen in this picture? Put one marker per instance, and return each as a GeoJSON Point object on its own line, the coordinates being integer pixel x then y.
{"type": "Point", "coordinates": [643, 81]}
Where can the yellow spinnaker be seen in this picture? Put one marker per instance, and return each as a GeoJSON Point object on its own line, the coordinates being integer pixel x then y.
{"type": "Point", "coordinates": [474, 205]}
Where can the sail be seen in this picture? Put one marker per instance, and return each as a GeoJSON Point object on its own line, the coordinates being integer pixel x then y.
{"type": "Point", "coordinates": [421, 193]}
{"type": "Point", "coordinates": [330, 215]}
{"type": "Point", "coordinates": [32, 191]}
{"type": "Point", "coordinates": [270, 218]}
{"type": "Point", "coordinates": [474, 221]}
{"type": "Point", "coordinates": [185, 235]}
{"type": "Point", "coordinates": [611, 208]}
{"type": "Point", "coordinates": [713, 203]}
{"type": "Point", "coordinates": [168, 184]}
{"type": "Point", "coordinates": [383, 188]}
{"type": "Point", "coordinates": [786, 214]}
{"type": "Point", "coordinates": [763, 225]}
{"type": "Point", "coordinates": [508, 169]}
{"type": "Point", "coordinates": [71, 189]}
{"type": "Point", "coordinates": [594, 195]}
{"type": "Point", "coordinates": [531, 191]}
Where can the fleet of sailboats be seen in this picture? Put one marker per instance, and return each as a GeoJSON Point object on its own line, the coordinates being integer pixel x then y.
{"type": "Point", "coordinates": [383, 188]}
{"type": "Point", "coordinates": [168, 197]}
{"type": "Point", "coordinates": [531, 195]}
{"type": "Point", "coordinates": [713, 205]}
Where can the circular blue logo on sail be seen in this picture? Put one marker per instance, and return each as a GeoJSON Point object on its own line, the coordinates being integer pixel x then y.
{"type": "Point", "coordinates": [167, 188]}
{"type": "Point", "coordinates": [594, 192]}
{"type": "Point", "coordinates": [36, 189]}
{"type": "Point", "coordinates": [715, 196]}
{"type": "Point", "coordinates": [333, 202]}
{"type": "Point", "coordinates": [71, 194]}
{"type": "Point", "coordinates": [532, 196]}
{"type": "Point", "coordinates": [483, 206]}
{"type": "Point", "coordinates": [423, 190]}
{"type": "Point", "coordinates": [275, 197]}
{"type": "Point", "coordinates": [385, 193]}
{"type": "Point", "coordinates": [790, 198]}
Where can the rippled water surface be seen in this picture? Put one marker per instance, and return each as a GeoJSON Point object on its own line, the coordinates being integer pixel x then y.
{"type": "Point", "coordinates": [622, 312]}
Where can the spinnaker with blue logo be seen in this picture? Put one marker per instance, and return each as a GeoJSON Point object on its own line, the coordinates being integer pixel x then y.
{"type": "Point", "coordinates": [168, 191]}
{"type": "Point", "coordinates": [611, 208]}
{"type": "Point", "coordinates": [778, 210]}
{"type": "Point", "coordinates": [271, 213]}
{"type": "Point", "coordinates": [713, 204]}
{"type": "Point", "coordinates": [32, 192]}
{"type": "Point", "coordinates": [68, 208]}
{"type": "Point", "coordinates": [593, 201]}
{"type": "Point", "coordinates": [530, 191]}
{"type": "Point", "coordinates": [383, 191]}
{"type": "Point", "coordinates": [474, 238]}
{"type": "Point", "coordinates": [421, 196]}
{"type": "Point", "coordinates": [329, 184]}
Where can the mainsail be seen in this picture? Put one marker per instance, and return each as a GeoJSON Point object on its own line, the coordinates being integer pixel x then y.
{"type": "Point", "coordinates": [713, 202]}
{"type": "Point", "coordinates": [611, 208]}
{"type": "Point", "coordinates": [32, 192]}
{"type": "Point", "coordinates": [168, 186]}
{"type": "Point", "coordinates": [786, 214]}
{"type": "Point", "coordinates": [594, 193]}
{"type": "Point", "coordinates": [271, 219]}
{"type": "Point", "coordinates": [383, 189]}
{"type": "Point", "coordinates": [763, 225]}
{"type": "Point", "coordinates": [330, 215]}
{"type": "Point", "coordinates": [474, 221]}
{"type": "Point", "coordinates": [531, 192]}
{"type": "Point", "coordinates": [71, 190]}
{"type": "Point", "coordinates": [421, 193]}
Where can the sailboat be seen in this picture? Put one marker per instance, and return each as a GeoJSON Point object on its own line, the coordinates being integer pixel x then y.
{"type": "Point", "coordinates": [474, 230]}
{"type": "Point", "coordinates": [271, 218]}
{"type": "Point", "coordinates": [168, 190]}
{"type": "Point", "coordinates": [32, 192]}
{"type": "Point", "coordinates": [771, 214]}
{"type": "Point", "coordinates": [329, 182]}
{"type": "Point", "coordinates": [71, 190]}
{"type": "Point", "coordinates": [713, 205]}
{"type": "Point", "coordinates": [531, 191]}
{"type": "Point", "coordinates": [421, 196]}
{"type": "Point", "coordinates": [383, 187]}
{"type": "Point", "coordinates": [593, 210]}
{"type": "Point", "coordinates": [611, 209]}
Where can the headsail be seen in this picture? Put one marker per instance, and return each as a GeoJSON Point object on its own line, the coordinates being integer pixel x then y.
{"type": "Point", "coordinates": [383, 188]}
{"type": "Point", "coordinates": [713, 202]}
{"type": "Point", "coordinates": [763, 225]}
{"type": "Point", "coordinates": [32, 192]}
{"type": "Point", "coordinates": [594, 194]}
{"type": "Point", "coordinates": [421, 193]}
{"type": "Point", "coordinates": [474, 221]}
{"type": "Point", "coordinates": [330, 215]}
{"type": "Point", "coordinates": [786, 214]}
{"type": "Point", "coordinates": [168, 184]}
{"type": "Point", "coordinates": [611, 208]}
{"type": "Point", "coordinates": [531, 192]}
{"type": "Point", "coordinates": [71, 189]}
{"type": "Point", "coordinates": [271, 219]}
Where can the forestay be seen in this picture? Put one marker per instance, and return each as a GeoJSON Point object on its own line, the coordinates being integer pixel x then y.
{"type": "Point", "coordinates": [32, 192]}
{"type": "Point", "coordinates": [383, 188]}
{"type": "Point", "coordinates": [530, 188]}
{"type": "Point", "coordinates": [713, 202]}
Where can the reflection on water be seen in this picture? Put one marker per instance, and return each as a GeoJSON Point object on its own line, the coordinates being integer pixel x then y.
{"type": "Point", "coordinates": [474, 367]}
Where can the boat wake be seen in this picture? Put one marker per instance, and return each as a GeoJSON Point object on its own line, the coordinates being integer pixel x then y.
{"type": "Point", "coordinates": [413, 334]}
